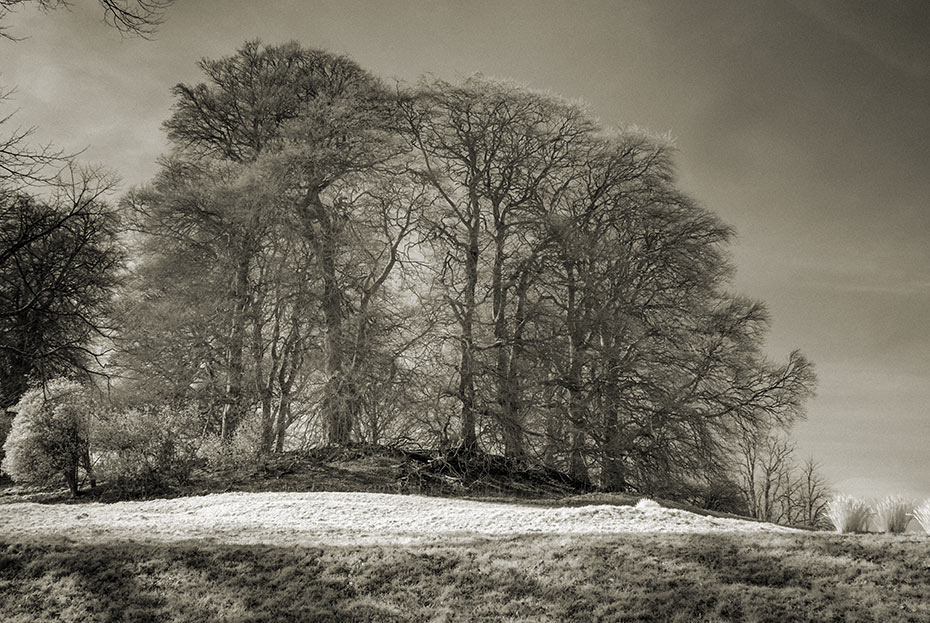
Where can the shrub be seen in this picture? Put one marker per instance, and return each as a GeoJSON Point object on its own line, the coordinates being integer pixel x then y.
{"type": "Point", "coordinates": [893, 514]}
{"type": "Point", "coordinates": [50, 434]}
{"type": "Point", "coordinates": [145, 449]}
{"type": "Point", "coordinates": [922, 515]}
{"type": "Point", "coordinates": [240, 450]}
{"type": "Point", "coordinates": [849, 514]}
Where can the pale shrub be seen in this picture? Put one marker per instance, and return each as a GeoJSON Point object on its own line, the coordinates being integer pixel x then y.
{"type": "Point", "coordinates": [922, 515]}
{"type": "Point", "coordinates": [647, 503]}
{"type": "Point", "coordinates": [849, 514]}
{"type": "Point", "coordinates": [241, 450]}
{"type": "Point", "coordinates": [893, 514]}
{"type": "Point", "coordinates": [50, 434]}
{"type": "Point", "coordinates": [147, 448]}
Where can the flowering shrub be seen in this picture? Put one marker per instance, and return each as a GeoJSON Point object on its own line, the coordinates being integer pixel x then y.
{"type": "Point", "coordinates": [240, 450]}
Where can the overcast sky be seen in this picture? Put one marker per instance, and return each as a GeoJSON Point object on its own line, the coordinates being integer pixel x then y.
{"type": "Point", "coordinates": [805, 124]}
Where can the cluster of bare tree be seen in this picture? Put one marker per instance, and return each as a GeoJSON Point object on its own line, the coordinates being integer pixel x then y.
{"type": "Point", "coordinates": [774, 486]}
{"type": "Point", "coordinates": [59, 258]}
{"type": "Point", "coordinates": [473, 266]}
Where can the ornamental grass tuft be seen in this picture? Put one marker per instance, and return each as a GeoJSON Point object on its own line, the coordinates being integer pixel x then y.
{"type": "Point", "coordinates": [849, 514]}
{"type": "Point", "coordinates": [893, 514]}
{"type": "Point", "coordinates": [922, 515]}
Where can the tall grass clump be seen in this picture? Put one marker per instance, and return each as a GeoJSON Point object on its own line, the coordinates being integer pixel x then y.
{"type": "Point", "coordinates": [893, 514]}
{"type": "Point", "coordinates": [922, 515]}
{"type": "Point", "coordinates": [849, 514]}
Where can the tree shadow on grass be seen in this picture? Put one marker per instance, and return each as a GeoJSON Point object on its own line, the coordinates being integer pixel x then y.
{"type": "Point", "coordinates": [67, 581]}
{"type": "Point", "coordinates": [644, 578]}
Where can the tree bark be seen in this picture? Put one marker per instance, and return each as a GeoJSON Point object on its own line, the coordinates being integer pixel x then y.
{"type": "Point", "coordinates": [233, 408]}
{"type": "Point", "coordinates": [613, 464]}
{"type": "Point", "coordinates": [576, 411]}
{"type": "Point", "coordinates": [71, 478]}
{"type": "Point", "coordinates": [322, 229]}
{"type": "Point", "coordinates": [469, 436]}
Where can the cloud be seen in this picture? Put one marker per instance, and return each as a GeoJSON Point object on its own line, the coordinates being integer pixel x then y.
{"type": "Point", "coordinates": [894, 32]}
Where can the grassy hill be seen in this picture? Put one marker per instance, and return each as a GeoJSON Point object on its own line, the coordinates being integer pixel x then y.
{"type": "Point", "coordinates": [68, 565]}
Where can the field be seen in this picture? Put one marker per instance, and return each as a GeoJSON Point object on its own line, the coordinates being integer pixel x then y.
{"type": "Point", "coordinates": [377, 557]}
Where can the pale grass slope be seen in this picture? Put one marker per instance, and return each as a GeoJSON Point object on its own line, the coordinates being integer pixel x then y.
{"type": "Point", "coordinates": [343, 518]}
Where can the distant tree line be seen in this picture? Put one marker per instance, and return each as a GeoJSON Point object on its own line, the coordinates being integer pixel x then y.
{"type": "Point", "coordinates": [472, 267]}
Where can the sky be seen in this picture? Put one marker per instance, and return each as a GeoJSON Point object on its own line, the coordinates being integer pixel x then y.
{"type": "Point", "coordinates": [804, 124]}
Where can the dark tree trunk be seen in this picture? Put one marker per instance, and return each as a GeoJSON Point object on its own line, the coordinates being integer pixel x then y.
{"type": "Point", "coordinates": [613, 463]}
{"type": "Point", "coordinates": [576, 408]}
{"type": "Point", "coordinates": [469, 436]}
{"type": "Point", "coordinates": [322, 228]}
{"type": "Point", "coordinates": [71, 477]}
{"type": "Point", "coordinates": [233, 409]}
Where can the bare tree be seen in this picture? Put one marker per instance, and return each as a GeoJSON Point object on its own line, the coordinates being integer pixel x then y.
{"type": "Point", "coordinates": [813, 495]}
{"type": "Point", "coordinates": [489, 150]}
{"type": "Point", "coordinates": [315, 193]}
{"type": "Point", "coordinates": [59, 258]}
{"type": "Point", "coordinates": [775, 487]}
{"type": "Point", "coordinates": [23, 165]}
{"type": "Point", "coordinates": [139, 18]}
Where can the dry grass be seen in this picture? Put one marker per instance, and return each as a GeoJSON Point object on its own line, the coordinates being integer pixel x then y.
{"type": "Point", "coordinates": [636, 578]}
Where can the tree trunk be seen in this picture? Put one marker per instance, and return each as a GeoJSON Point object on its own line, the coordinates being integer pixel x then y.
{"type": "Point", "coordinates": [322, 228]}
{"type": "Point", "coordinates": [335, 403]}
{"type": "Point", "coordinates": [469, 436]}
{"type": "Point", "coordinates": [267, 440]}
{"type": "Point", "coordinates": [264, 379]}
{"type": "Point", "coordinates": [89, 468]}
{"type": "Point", "coordinates": [507, 390]}
{"type": "Point", "coordinates": [613, 463]}
{"type": "Point", "coordinates": [576, 410]}
{"type": "Point", "coordinates": [233, 408]}
{"type": "Point", "coordinates": [577, 469]}
{"type": "Point", "coordinates": [281, 421]}
{"type": "Point", "coordinates": [71, 478]}
{"type": "Point", "coordinates": [292, 359]}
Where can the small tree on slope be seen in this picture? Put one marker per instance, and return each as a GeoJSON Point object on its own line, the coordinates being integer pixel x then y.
{"type": "Point", "coordinates": [50, 434]}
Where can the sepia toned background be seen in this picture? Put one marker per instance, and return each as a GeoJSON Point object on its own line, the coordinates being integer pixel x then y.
{"type": "Point", "coordinates": [804, 125]}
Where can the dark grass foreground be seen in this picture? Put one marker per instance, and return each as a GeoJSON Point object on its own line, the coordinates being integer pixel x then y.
{"type": "Point", "coordinates": [753, 578]}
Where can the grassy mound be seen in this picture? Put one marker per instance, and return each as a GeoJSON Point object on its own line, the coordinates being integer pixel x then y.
{"type": "Point", "coordinates": [362, 468]}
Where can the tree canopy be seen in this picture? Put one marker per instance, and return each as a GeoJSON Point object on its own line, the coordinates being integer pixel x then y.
{"type": "Point", "coordinates": [522, 280]}
{"type": "Point", "coordinates": [476, 267]}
